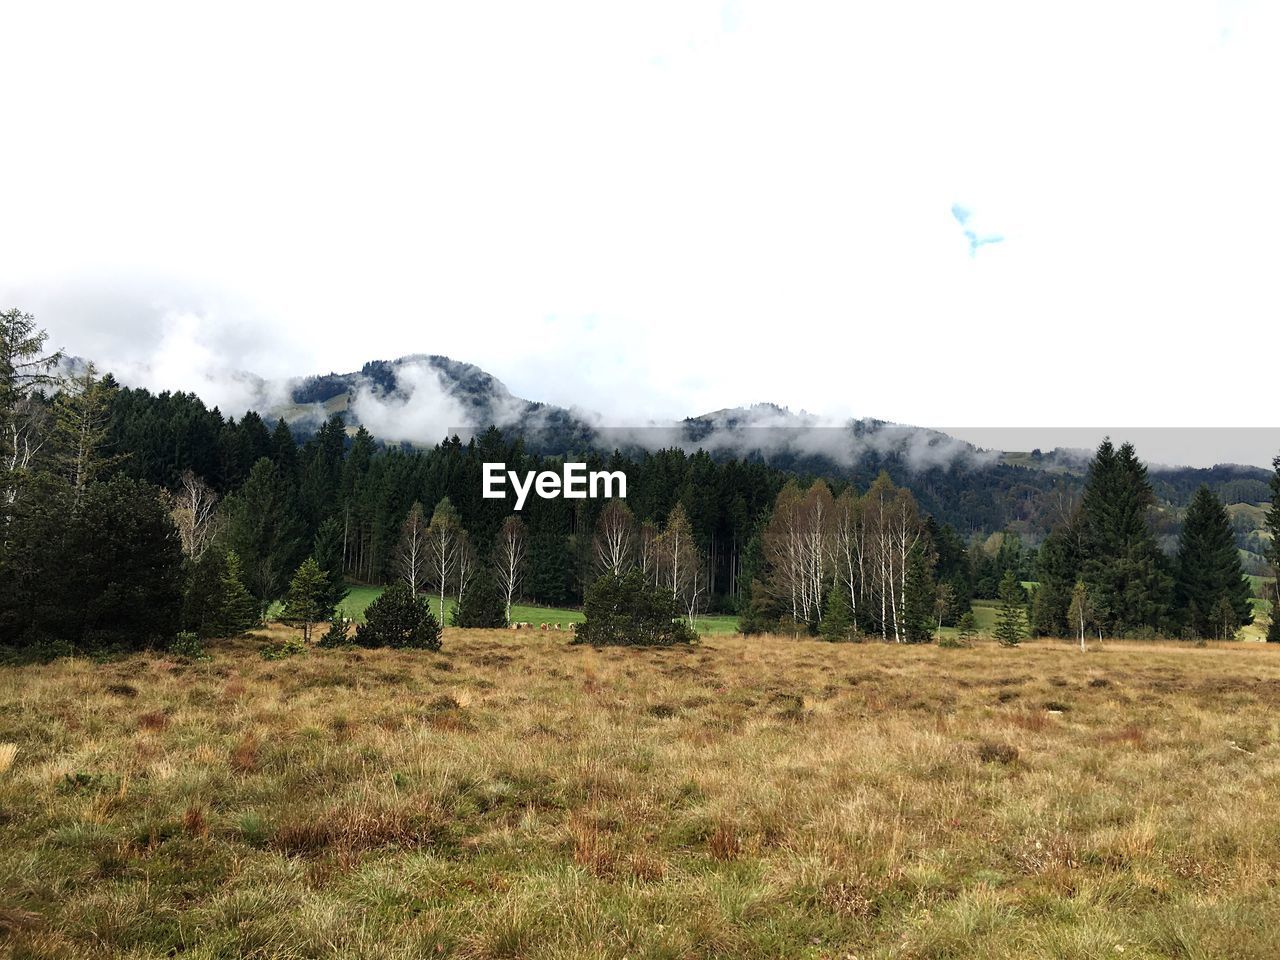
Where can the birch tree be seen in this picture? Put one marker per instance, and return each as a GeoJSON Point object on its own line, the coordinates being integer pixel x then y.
{"type": "Point", "coordinates": [194, 509]}
{"type": "Point", "coordinates": [442, 548]}
{"type": "Point", "coordinates": [615, 539]}
{"type": "Point", "coordinates": [412, 551]}
{"type": "Point", "coordinates": [509, 559]}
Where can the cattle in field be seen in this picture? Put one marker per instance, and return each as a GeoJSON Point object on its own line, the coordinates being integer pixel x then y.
{"type": "Point", "coordinates": [543, 627]}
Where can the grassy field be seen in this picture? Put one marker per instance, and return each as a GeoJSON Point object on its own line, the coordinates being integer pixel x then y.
{"type": "Point", "coordinates": [361, 596]}
{"type": "Point", "coordinates": [515, 796]}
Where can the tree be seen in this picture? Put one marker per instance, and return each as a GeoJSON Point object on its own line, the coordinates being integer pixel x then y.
{"type": "Point", "coordinates": [1226, 618]}
{"type": "Point", "coordinates": [82, 416]}
{"type": "Point", "coordinates": [481, 605]}
{"type": "Point", "coordinates": [625, 611]}
{"type": "Point", "coordinates": [967, 626]}
{"type": "Point", "coordinates": [412, 552]}
{"type": "Point", "coordinates": [216, 602]}
{"type": "Point", "coordinates": [1057, 571]}
{"type": "Point", "coordinates": [944, 600]}
{"type": "Point", "coordinates": [1121, 565]}
{"type": "Point", "coordinates": [1009, 627]}
{"type": "Point", "coordinates": [194, 510]}
{"type": "Point", "coordinates": [1080, 611]}
{"type": "Point", "coordinates": [509, 560]}
{"type": "Point", "coordinates": [307, 601]}
{"type": "Point", "coordinates": [107, 575]}
{"type": "Point", "coordinates": [1209, 577]}
{"type": "Point", "coordinates": [327, 549]}
{"type": "Point", "coordinates": [442, 547]}
{"type": "Point", "coordinates": [399, 619]}
{"type": "Point", "coordinates": [24, 369]}
{"type": "Point", "coordinates": [614, 543]}
{"type": "Point", "coordinates": [264, 528]}
{"type": "Point", "coordinates": [680, 562]}
{"type": "Point", "coordinates": [837, 618]}
{"type": "Point", "coordinates": [918, 599]}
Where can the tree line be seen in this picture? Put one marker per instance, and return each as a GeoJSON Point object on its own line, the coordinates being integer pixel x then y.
{"type": "Point", "coordinates": [128, 516]}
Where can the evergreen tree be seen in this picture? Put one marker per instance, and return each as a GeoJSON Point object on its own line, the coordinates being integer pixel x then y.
{"type": "Point", "coordinates": [327, 550]}
{"type": "Point", "coordinates": [919, 597]}
{"type": "Point", "coordinates": [216, 602]}
{"type": "Point", "coordinates": [481, 605]}
{"type": "Point", "coordinates": [265, 530]}
{"type": "Point", "coordinates": [239, 609]}
{"type": "Point", "coordinates": [837, 618]}
{"type": "Point", "coordinates": [1057, 570]}
{"type": "Point", "coordinates": [1209, 576]}
{"type": "Point", "coordinates": [399, 619]}
{"type": "Point", "coordinates": [626, 611]}
{"type": "Point", "coordinates": [307, 601]}
{"type": "Point", "coordinates": [967, 627]}
{"type": "Point", "coordinates": [1009, 627]}
{"type": "Point", "coordinates": [1122, 567]}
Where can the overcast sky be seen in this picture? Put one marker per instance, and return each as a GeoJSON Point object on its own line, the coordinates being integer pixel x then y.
{"type": "Point", "coordinates": [993, 214]}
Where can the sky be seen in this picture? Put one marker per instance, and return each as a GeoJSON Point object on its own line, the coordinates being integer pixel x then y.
{"type": "Point", "coordinates": [984, 214]}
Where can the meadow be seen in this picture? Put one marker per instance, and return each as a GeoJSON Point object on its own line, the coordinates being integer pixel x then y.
{"type": "Point", "coordinates": [516, 796]}
{"type": "Point", "coordinates": [361, 595]}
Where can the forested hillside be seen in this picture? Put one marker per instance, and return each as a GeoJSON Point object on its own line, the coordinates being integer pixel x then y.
{"type": "Point", "coordinates": [157, 481]}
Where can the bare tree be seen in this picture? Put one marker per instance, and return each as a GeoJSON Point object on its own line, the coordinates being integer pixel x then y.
{"type": "Point", "coordinates": [412, 551]}
{"type": "Point", "coordinates": [615, 538]}
{"type": "Point", "coordinates": [679, 562]}
{"type": "Point", "coordinates": [442, 548]}
{"type": "Point", "coordinates": [509, 556]}
{"type": "Point", "coordinates": [194, 509]}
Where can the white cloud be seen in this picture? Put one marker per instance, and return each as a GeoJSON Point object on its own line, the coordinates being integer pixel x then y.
{"type": "Point", "coordinates": [665, 209]}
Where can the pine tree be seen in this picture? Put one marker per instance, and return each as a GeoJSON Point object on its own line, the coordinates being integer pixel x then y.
{"type": "Point", "coordinates": [919, 596]}
{"type": "Point", "coordinates": [967, 626]}
{"type": "Point", "coordinates": [327, 550]}
{"type": "Point", "coordinates": [1209, 573]}
{"type": "Point", "coordinates": [1121, 564]}
{"type": "Point", "coordinates": [1057, 570]}
{"type": "Point", "coordinates": [399, 619]}
{"type": "Point", "coordinates": [307, 601]}
{"type": "Point", "coordinates": [265, 530]}
{"type": "Point", "coordinates": [481, 605]}
{"type": "Point", "coordinates": [239, 609]}
{"type": "Point", "coordinates": [1010, 628]}
{"type": "Point", "coordinates": [837, 618]}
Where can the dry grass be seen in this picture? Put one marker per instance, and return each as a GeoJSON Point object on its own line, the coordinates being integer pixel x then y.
{"type": "Point", "coordinates": [517, 797]}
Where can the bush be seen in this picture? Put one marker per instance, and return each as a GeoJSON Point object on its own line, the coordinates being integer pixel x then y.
{"type": "Point", "coordinates": [625, 611]}
{"type": "Point", "coordinates": [399, 618]}
{"type": "Point", "coordinates": [338, 634]}
{"type": "Point", "coordinates": [481, 605]}
{"type": "Point", "coordinates": [283, 649]}
{"type": "Point", "coordinates": [188, 644]}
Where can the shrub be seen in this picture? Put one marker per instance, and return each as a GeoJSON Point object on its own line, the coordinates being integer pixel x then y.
{"type": "Point", "coordinates": [625, 611]}
{"type": "Point", "coordinates": [481, 605]}
{"type": "Point", "coordinates": [399, 618]}
{"type": "Point", "coordinates": [338, 634]}
{"type": "Point", "coordinates": [283, 649]}
{"type": "Point", "coordinates": [188, 644]}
